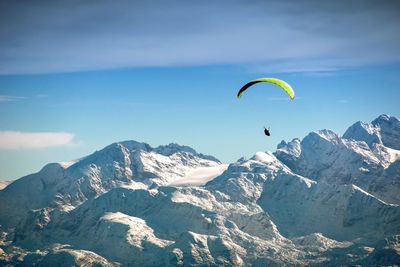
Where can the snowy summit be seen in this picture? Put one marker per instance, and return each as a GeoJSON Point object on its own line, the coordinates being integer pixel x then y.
{"type": "Point", "coordinates": [325, 200]}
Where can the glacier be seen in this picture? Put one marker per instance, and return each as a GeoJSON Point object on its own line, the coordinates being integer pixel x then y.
{"type": "Point", "coordinates": [324, 200]}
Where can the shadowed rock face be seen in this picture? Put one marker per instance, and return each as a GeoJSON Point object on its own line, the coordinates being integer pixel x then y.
{"type": "Point", "coordinates": [325, 200]}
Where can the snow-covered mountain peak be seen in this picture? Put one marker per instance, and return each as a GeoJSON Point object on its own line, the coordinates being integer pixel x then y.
{"type": "Point", "coordinates": [326, 134]}
{"type": "Point", "coordinates": [321, 201]}
{"type": "Point", "coordinates": [244, 180]}
{"type": "Point", "coordinates": [383, 130]}
{"type": "Point", "coordinates": [362, 131]}
{"type": "Point", "coordinates": [292, 144]}
{"type": "Point", "coordinates": [267, 160]}
{"type": "Point", "coordinates": [357, 158]}
{"type": "Point", "coordinates": [173, 148]}
{"type": "Point", "coordinates": [128, 163]}
{"type": "Point", "coordinates": [122, 149]}
{"type": "Point", "coordinates": [389, 130]}
{"type": "Point", "coordinates": [51, 167]}
{"type": "Point", "coordinates": [265, 157]}
{"type": "Point", "coordinates": [315, 143]}
{"type": "Point", "coordinates": [384, 118]}
{"type": "Point", "coordinates": [368, 127]}
{"type": "Point", "coordinates": [261, 162]}
{"type": "Point", "coordinates": [289, 152]}
{"type": "Point", "coordinates": [134, 161]}
{"type": "Point", "coordinates": [132, 145]}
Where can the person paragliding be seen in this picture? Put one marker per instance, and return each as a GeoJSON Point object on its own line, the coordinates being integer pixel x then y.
{"type": "Point", "coordinates": [282, 84]}
{"type": "Point", "coordinates": [266, 132]}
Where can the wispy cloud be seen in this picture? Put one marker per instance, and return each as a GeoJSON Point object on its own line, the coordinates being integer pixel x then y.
{"type": "Point", "coordinates": [298, 66]}
{"type": "Point", "coordinates": [9, 98]}
{"type": "Point", "coordinates": [34, 140]}
{"type": "Point", "coordinates": [280, 35]}
{"type": "Point", "coordinates": [342, 101]}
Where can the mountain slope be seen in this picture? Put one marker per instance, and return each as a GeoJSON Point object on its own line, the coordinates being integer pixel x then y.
{"type": "Point", "coordinates": [360, 157]}
{"type": "Point", "coordinates": [325, 200]}
{"type": "Point", "coordinates": [61, 187]}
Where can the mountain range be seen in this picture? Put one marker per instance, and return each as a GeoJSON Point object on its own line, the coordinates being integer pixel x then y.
{"type": "Point", "coordinates": [325, 200]}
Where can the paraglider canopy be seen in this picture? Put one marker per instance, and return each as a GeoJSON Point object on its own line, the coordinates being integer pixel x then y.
{"type": "Point", "coordinates": [282, 84]}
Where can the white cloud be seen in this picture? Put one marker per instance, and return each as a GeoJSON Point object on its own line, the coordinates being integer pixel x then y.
{"type": "Point", "coordinates": [8, 98]}
{"type": "Point", "coordinates": [34, 140]}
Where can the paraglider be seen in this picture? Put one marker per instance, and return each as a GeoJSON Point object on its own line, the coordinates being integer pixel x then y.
{"type": "Point", "coordinates": [282, 84]}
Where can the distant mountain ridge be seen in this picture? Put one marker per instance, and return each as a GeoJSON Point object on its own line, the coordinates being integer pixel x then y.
{"type": "Point", "coordinates": [325, 200]}
{"type": "Point", "coordinates": [127, 163]}
{"type": "Point", "coordinates": [360, 157]}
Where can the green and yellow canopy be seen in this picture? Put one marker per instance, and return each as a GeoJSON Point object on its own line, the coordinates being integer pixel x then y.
{"type": "Point", "coordinates": [282, 84]}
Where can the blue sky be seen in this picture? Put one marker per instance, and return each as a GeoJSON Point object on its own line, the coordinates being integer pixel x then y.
{"type": "Point", "coordinates": [75, 77]}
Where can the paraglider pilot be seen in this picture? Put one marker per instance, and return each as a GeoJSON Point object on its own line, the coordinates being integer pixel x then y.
{"type": "Point", "coordinates": [266, 131]}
